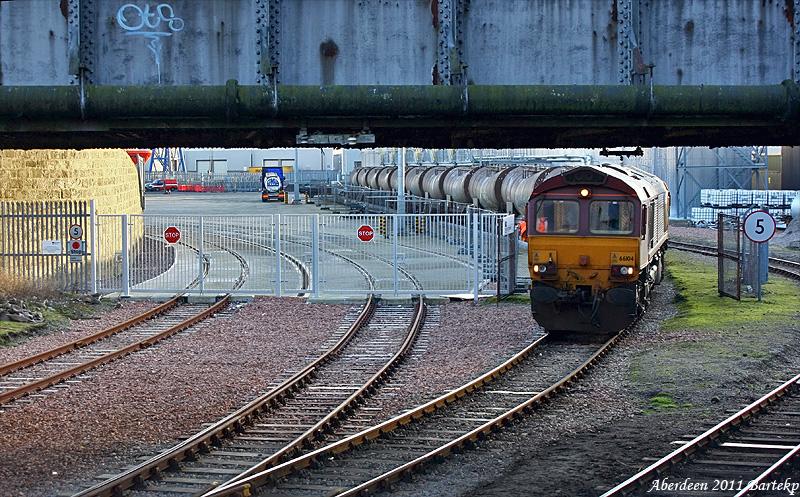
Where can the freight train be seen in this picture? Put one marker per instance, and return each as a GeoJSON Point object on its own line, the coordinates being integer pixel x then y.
{"type": "Point", "coordinates": [596, 234]}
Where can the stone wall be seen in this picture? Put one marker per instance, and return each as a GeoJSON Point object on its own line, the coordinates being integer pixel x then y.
{"type": "Point", "coordinates": [107, 176]}
{"type": "Point", "coordinates": [41, 181]}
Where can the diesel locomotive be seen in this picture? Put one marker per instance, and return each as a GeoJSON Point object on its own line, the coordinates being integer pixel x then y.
{"type": "Point", "coordinates": [596, 234]}
{"type": "Point", "coordinates": [596, 242]}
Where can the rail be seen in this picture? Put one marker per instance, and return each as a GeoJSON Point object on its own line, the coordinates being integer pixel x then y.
{"type": "Point", "coordinates": [703, 440]}
{"type": "Point", "coordinates": [54, 379]}
{"type": "Point", "coordinates": [791, 269]}
{"type": "Point", "coordinates": [230, 424]}
{"type": "Point", "coordinates": [324, 425]}
{"type": "Point", "coordinates": [247, 485]}
{"type": "Point", "coordinates": [82, 342]}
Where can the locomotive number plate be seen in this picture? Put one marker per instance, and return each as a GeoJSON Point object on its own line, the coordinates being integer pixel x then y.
{"type": "Point", "coordinates": [621, 258]}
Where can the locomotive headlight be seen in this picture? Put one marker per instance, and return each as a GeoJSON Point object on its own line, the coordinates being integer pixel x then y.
{"type": "Point", "coordinates": [535, 268]}
{"type": "Point", "coordinates": [630, 270]}
{"type": "Point", "coordinates": [585, 192]}
{"type": "Point", "coordinates": [623, 271]}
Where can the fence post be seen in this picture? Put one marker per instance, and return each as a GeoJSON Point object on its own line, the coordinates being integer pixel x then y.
{"type": "Point", "coordinates": [202, 258]}
{"type": "Point", "coordinates": [277, 246]}
{"type": "Point", "coordinates": [126, 283]}
{"type": "Point", "coordinates": [395, 230]}
{"type": "Point", "coordinates": [315, 256]}
{"type": "Point", "coordinates": [93, 246]}
{"type": "Point", "coordinates": [475, 246]}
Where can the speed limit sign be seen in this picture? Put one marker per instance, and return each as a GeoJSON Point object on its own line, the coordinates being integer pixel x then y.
{"type": "Point", "coordinates": [759, 226]}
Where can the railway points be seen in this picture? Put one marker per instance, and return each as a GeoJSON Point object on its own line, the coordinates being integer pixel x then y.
{"type": "Point", "coordinates": [293, 414]}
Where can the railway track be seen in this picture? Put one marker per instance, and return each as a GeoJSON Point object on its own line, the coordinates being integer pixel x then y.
{"type": "Point", "coordinates": [739, 456]}
{"type": "Point", "coordinates": [302, 269]}
{"type": "Point", "coordinates": [742, 455]}
{"type": "Point", "coordinates": [39, 374]}
{"type": "Point", "coordinates": [784, 267]}
{"type": "Point", "coordinates": [292, 415]}
{"type": "Point", "coordinates": [367, 461]}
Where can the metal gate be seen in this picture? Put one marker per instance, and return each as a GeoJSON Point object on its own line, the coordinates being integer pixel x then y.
{"type": "Point", "coordinates": [729, 265]}
{"type": "Point", "coordinates": [33, 243]}
{"type": "Point", "coordinates": [506, 256]}
{"type": "Point", "coordinates": [304, 253]}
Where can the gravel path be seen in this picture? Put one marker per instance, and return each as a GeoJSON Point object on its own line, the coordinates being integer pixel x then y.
{"type": "Point", "coordinates": [75, 330]}
{"type": "Point", "coordinates": [145, 402]}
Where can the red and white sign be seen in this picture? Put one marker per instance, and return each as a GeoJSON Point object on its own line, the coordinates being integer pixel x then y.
{"type": "Point", "coordinates": [172, 234]}
{"type": "Point", "coordinates": [75, 245]}
{"type": "Point", "coordinates": [365, 233]}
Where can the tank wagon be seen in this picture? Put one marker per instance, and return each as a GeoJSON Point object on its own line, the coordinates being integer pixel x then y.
{"type": "Point", "coordinates": [504, 189]}
{"type": "Point", "coordinates": [596, 242]}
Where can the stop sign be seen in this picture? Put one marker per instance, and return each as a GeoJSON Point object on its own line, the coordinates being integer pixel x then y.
{"type": "Point", "coordinates": [365, 233]}
{"type": "Point", "coordinates": [172, 234]}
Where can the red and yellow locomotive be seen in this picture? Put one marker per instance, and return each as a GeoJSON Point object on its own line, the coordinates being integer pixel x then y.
{"type": "Point", "coordinates": [596, 242]}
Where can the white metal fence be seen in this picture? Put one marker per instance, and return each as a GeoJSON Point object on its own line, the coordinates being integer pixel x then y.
{"type": "Point", "coordinates": [303, 253]}
{"type": "Point", "coordinates": [35, 238]}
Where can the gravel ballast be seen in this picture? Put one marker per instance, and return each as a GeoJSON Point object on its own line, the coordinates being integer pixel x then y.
{"type": "Point", "coordinates": [144, 403]}
{"type": "Point", "coordinates": [75, 330]}
{"type": "Point", "coordinates": [599, 433]}
{"type": "Point", "coordinates": [460, 341]}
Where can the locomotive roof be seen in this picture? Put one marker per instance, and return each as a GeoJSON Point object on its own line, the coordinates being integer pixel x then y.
{"type": "Point", "coordinates": [640, 183]}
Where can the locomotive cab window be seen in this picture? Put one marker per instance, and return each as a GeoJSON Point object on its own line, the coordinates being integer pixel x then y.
{"type": "Point", "coordinates": [557, 216]}
{"type": "Point", "coordinates": [611, 217]}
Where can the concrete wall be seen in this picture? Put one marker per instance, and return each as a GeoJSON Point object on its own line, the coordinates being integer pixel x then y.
{"type": "Point", "coordinates": [723, 42]}
{"type": "Point", "coordinates": [392, 42]}
{"type": "Point", "coordinates": [362, 42]}
{"type": "Point", "coordinates": [33, 43]}
{"type": "Point", "coordinates": [540, 41]}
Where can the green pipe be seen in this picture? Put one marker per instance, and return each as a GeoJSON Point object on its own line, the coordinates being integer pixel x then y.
{"type": "Point", "coordinates": [235, 102]}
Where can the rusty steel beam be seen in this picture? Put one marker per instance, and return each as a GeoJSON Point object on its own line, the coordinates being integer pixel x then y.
{"type": "Point", "coordinates": [446, 116]}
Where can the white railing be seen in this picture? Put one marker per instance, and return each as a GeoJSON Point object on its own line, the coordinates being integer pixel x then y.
{"type": "Point", "coordinates": [440, 254]}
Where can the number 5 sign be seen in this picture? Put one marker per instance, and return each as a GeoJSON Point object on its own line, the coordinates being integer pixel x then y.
{"type": "Point", "coordinates": [759, 226]}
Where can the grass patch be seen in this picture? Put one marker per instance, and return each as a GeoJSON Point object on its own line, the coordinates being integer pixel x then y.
{"type": "Point", "coordinates": [701, 307]}
{"type": "Point", "coordinates": [663, 401]}
{"type": "Point", "coordinates": [711, 338]}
